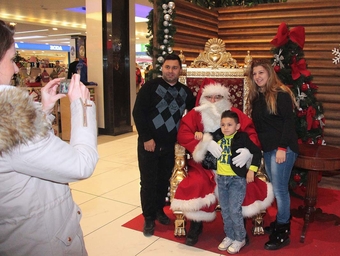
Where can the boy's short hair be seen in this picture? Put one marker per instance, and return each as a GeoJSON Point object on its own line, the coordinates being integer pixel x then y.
{"type": "Point", "coordinates": [230, 114]}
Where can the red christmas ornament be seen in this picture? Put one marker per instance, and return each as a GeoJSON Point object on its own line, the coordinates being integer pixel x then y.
{"type": "Point", "coordinates": [297, 178]}
{"type": "Point", "coordinates": [304, 87]}
{"type": "Point", "coordinates": [302, 113]}
{"type": "Point", "coordinates": [316, 124]}
{"type": "Point", "coordinates": [319, 141]}
{"type": "Point", "coordinates": [277, 69]}
{"type": "Point", "coordinates": [303, 188]}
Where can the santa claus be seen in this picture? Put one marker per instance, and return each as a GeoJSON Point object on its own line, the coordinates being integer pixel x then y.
{"type": "Point", "coordinates": [196, 195]}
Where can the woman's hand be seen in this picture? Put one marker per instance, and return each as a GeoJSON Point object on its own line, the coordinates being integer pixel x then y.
{"type": "Point", "coordinates": [49, 95]}
{"type": "Point", "coordinates": [280, 156]}
{"type": "Point", "coordinates": [77, 90]}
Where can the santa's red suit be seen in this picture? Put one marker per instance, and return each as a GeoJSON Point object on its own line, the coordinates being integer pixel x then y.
{"type": "Point", "coordinates": [196, 194]}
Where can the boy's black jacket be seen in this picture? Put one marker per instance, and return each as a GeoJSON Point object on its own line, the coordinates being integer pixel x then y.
{"type": "Point", "coordinates": [240, 140]}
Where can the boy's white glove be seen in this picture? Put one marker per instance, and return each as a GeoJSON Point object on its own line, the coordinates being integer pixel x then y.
{"type": "Point", "coordinates": [214, 149]}
{"type": "Point", "coordinates": [242, 158]}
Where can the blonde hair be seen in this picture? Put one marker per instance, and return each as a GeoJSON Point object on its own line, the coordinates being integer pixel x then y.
{"type": "Point", "coordinates": [270, 90]}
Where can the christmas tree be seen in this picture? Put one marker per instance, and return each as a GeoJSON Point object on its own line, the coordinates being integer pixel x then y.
{"type": "Point", "coordinates": [291, 67]}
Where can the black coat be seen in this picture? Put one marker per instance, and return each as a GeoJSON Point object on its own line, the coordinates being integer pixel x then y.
{"type": "Point", "coordinates": [240, 140]}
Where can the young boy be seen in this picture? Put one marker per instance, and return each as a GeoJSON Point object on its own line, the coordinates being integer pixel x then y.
{"type": "Point", "coordinates": [232, 180]}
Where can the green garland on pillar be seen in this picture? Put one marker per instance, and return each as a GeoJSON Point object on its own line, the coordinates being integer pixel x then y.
{"type": "Point", "coordinates": [164, 34]}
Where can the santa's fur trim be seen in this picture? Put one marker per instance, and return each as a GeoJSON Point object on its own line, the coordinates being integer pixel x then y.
{"type": "Point", "coordinates": [214, 89]}
{"type": "Point", "coordinates": [200, 216]}
{"type": "Point", "coordinates": [258, 206]}
{"type": "Point", "coordinates": [195, 204]}
{"type": "Point", "coordinates": [201, 148]}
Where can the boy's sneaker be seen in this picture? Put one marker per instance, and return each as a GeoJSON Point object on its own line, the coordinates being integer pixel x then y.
{"type": "Point", "coordinates": [236, 246]}
{"type": "Point", "coordinates": [225, 244]}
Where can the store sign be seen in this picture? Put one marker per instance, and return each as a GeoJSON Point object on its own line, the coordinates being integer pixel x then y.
{"type": "Point", "coordinates": [141, 48]}
{"type": "Point", "coordinates": [42, 47]}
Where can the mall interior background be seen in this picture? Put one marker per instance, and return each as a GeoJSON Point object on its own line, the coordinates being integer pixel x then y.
{"type": "Point", "coordinates": [54, 24]}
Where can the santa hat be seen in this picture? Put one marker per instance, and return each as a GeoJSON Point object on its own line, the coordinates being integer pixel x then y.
{"type": "Point", "coordinates": [210, 87]}
{"type": "Point", "coordinates": [259, 196]}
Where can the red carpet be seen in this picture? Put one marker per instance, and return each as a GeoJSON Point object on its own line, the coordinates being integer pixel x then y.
{"type": "Point", "coordinates": [322, 238]}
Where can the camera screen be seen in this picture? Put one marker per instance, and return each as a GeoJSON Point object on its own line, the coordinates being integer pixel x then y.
{"type": "Point", "coordinates": [64, 86]}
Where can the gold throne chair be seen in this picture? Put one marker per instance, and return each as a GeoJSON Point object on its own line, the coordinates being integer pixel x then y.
{"type": "Point", "coordinates": [215, 63]}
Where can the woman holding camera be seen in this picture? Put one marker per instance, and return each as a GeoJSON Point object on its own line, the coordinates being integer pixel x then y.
{"type": "Point", "coordinates": [37, 213]}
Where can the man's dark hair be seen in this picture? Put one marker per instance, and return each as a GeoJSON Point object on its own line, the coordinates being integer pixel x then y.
{"type": "Point", "coordinates": [173, 57]}
{"type": "Point", "coordinates": [230, 114]}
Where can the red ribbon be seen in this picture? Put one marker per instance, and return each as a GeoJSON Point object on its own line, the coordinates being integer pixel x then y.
{"type": "Point", "coordinates": [310, 117]}
{"type": "Point", "coordinates": [297, 35]}
{"type": "Point", "coordinates": [298, 68]}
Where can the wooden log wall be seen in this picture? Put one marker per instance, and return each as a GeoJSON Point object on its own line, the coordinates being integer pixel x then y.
{"type": "Point", "coordinates": [194, 27]}
{"type": "Point", "coordinates": [252, 28]}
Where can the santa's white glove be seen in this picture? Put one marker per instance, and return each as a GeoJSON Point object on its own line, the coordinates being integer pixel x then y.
{"type": "Point", "coordinates": [214, 149]}
{"type": "Point", "coordinates": [242, 158]}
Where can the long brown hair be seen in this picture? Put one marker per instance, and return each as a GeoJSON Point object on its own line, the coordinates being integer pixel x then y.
{"type": "Point", "coordinates": [270, 90]}
{"type": "Point", "coordinates": [6, 38]}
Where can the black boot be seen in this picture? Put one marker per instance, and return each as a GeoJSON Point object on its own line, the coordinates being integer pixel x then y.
{"type": "Point", "coordinates": [149, 226]}
{"type": "Point", "coordinates": [279, 237]}
{"type": "Point", "coordinates": [269, 229]}
{"type": "Point", "coordinates": [195, 230]}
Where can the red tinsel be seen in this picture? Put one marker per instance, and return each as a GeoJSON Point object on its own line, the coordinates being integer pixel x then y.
{"type": "Point", "coordinates": [297, 35]}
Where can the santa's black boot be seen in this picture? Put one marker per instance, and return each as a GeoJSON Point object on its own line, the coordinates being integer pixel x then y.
{"type": "Point", "coordinates": [247, 237]}
{"type": "Point", "coordinates": [195, 230]}
{"type": "Point", "coordinates": [279, 237]}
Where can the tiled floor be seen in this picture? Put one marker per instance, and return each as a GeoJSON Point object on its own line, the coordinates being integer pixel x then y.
{"type": "Point", "coordinates": [110, 198]}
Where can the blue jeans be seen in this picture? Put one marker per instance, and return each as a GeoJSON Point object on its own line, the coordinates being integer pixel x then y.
{"type": "Point", "coordinates": [279, 175]}
{"type": "Point", "coordinates": [232, 190]}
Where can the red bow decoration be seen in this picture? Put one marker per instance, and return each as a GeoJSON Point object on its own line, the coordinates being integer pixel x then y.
{"type": "Point", "coordinates": [310, 117]}
{"type": "Point", "coordinates": [297, 35]}
{"type": "Point", "coordinates": [298, 68]}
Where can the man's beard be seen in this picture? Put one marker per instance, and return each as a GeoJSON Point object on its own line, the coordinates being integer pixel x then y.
{"type": "Point", "coordinates": [211, 113]}
{"type": "Point", "coordinates": [216, 108]}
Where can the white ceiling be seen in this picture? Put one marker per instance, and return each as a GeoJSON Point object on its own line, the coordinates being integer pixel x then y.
{"type": "Point", "coordinates": [35, 15]}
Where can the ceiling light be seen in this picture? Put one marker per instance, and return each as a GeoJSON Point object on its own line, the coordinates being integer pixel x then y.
{"type": "Point", "coordinates": [68, 34]}
{"type": "Point", "coordinates": [31, 31]}
{"type": "Point", "coordinates": [54, 28]}
{"type": "Point", "coordinates": [27, 37]}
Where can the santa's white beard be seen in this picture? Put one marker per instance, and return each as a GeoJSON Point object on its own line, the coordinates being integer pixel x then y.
{"type": "Point", "coordinates": [211, 113]}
